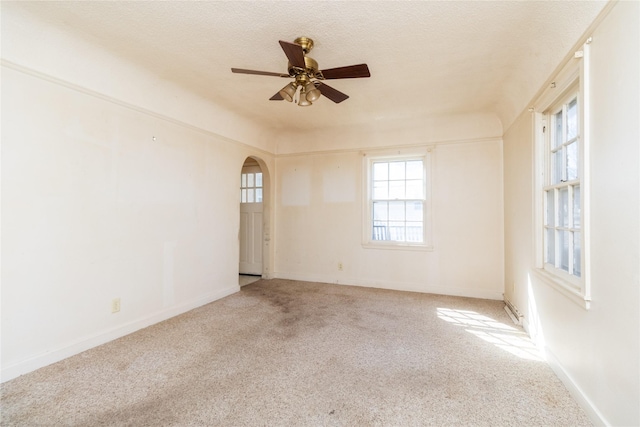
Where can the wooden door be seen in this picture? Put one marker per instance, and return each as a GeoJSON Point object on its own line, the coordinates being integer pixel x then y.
{"type": "Point", "coordinates": [251, 221]}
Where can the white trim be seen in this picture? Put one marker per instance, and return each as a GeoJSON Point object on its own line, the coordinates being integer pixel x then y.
{"type": "Point", "coordinates": [419, 287]}
{"type": "Point", "coordinates": [116, 101]}
{"type": "Point", "coordinates": [86, 343]}
{"type": "Point", "coordinates": [560, 87]}
{"type": "Point", "coordinates": [397, 246]}
{"type": "Point", "coordinates": [564, 287]}
{"type": "Point", "coordinates": [576, 392]}
{"type": "Point", "coordinates": [570, 78]}
{"type": "Point", "coordinates": [584, 39]}
{"type": "Point", "coordinates": [391, 148]}
{"type": "Point", "coordinates": [425, 153]}
{"type": "Point", "coordinates": [585, 180]}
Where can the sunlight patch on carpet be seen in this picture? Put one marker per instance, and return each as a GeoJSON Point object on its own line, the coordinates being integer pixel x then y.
{"type": "Point", "coordinates": [505, 337]}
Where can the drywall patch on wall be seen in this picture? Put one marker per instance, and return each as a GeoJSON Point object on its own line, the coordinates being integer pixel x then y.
{"type": "Point", "coordinates": [295, 185]}
{"type": "Point", "coordinates": [323, 240]}
{"type": "Point", "coordinates": [339, 184]}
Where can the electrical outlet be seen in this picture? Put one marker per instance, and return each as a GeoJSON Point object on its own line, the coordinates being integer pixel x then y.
{"type": "Point", "coordinates": [340, 266]}
{"type": "Point", "coordinates": [115, 305]}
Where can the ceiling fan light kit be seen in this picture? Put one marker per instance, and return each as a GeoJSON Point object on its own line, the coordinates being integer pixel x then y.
{"type": "Point", "coordinates": [288, 91]}
{"type": "Point", "coordinates": [306, 76]}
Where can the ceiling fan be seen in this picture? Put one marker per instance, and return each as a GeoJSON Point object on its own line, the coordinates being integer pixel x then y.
{"type": "Point", "coordinates": [306, 76]}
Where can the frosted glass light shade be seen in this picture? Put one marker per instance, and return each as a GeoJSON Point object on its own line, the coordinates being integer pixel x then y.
{"type": "Point", "coordinates": [304, 102]}
{"type": "Point", "coordinates": [288, 91]}
{"type": "Point", "coordinates": [312, 92]}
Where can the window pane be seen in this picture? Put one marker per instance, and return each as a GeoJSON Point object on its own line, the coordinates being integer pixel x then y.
{"type": "Point", "coordinates": [577, 261]}
{"type": "Point", "coordinates": [557, 140]}
{"type": "Point", "coordinates": [415, 232]}
{"type": "Point", "coordinates": [558, 166]}
{"type": "Point", "coordinates": [259, 179]}
{"type": "Point", "coordinates": [396, 170]}
{"type": "Point", "coordinates": [564, 250]}
{"type": "Point", "coordinates": [250, 180]}
{"type": "Point", "coordinates": [380, 211]}
{"type": "Point", "coordinates": [259, 195]}
{"type": "Point", "coordinates": [572, 119]}
{"type": "Point", "coordinates": [380, 231]}
{"type": "Point", "coordinates": [576, 206]}
{"type": "Point", "coordinates": [572, 161]}
{"type": "Point", "coordinates": [381, 190]}
{"type": "Point", "coordinates": [564, 207]}
{"type": "Point", "coordinates": [380, 171]}
{"type": "Point", "coordinates": [397, 231]}
{"type": "Point", "coordinates": [414, 211]}
{"type": "Point", "coordinates": [250, 195]}
{"type": "Point", "coordinates": [414, 189]}
{"type": "Point", "coordinates": [243, 180]}
{"type": "Point", "coordinates": [396, 211]}
{"type": "Point", "coordinates": [396, 189]}
{"type": "Point", "coordinates": [414, 169]}
{"type": "Point", "coordinates": [243, 196]}
{"type": "Point", "coordinates": [550, 252]}
{"type": "Point", "coordinates": [550, 219]}
{"type": "Point", "coordinates": [398, 194]}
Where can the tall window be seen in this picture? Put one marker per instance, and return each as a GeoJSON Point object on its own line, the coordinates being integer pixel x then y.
{"type": "Point", "coordinates": [251, 187]}
{"type": "Point", "coordinates": [563, 208]}
{"type": "Point", "coordinates": [562, 178]}
{"type": "Point", "coordinates": [397, 202]}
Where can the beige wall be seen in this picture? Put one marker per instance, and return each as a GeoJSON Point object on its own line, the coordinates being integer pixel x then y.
{"type": "Point", "coordinates": [594, 351]}
{"type": "Point", "coordinates": [319, 207]}
{"type": "Point", "coordinates": [94, 208]}
{"type": "Point", "coordinates": [107, 194]}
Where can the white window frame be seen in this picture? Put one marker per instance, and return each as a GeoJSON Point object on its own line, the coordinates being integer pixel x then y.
{"type": "Point", "coordinates": [573, 79]}
{"type": "Point", "coordinates": [254, 187]}
{"type": "Point", "coordinates": [425, 155]}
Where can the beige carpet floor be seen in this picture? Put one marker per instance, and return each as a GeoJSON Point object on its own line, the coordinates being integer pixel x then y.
{"type": "Point", "coordinates": [285, 353]}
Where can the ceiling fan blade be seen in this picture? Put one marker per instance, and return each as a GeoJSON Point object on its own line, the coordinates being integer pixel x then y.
{"type": "Point", "coordinates": [348, 72]}
{"type": "Point", "coordinates": [259, 73]}
{"type": "Point", "coordinates": [294, 52]}
{"type": "Point", "coordinates": [331, 93]}
{"type": "Point", "coordinates": [276, 97]}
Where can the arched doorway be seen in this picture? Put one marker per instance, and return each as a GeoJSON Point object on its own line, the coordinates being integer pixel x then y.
{"type": "Point", "coordinates": [253, 189]}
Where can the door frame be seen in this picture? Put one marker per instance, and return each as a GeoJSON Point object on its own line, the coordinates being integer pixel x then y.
{"type": "Point", "coordinates": [267, 203]}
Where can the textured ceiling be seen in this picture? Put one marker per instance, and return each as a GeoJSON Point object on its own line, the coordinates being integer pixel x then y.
{"type": "Point", "coordinates": [426, 58]}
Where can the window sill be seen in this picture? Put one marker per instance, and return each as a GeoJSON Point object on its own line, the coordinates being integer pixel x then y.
{"type": "Point", "coordinates": [398, 247]}
{"type": "Point", "coordinates": [564, 287]}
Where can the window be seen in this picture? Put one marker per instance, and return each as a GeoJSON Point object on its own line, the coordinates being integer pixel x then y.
{"type": "Point", "coordinates": [562, 182]}
{"type": "Point", "coordinates": [563, 208]}
{"type": "Point", "coordinates": [251, 187]}
{"type": "Point", "coordinates": [396, 208]}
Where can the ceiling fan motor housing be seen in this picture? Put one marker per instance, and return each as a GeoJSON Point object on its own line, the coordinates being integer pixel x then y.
{"type": "Point", "coordinates": [304, 70]}
{"type": "Point", "coordinates": [310, 69]}
{"type": "Point", "coordinates": [305, 43]}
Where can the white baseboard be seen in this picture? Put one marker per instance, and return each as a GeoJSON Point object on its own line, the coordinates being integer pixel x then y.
{"type": "Point", "coordinates": [396, 286]}
{"type": "Point", "coordinates": [592, 412]}
{"type": "Point", "coordinates": [83, 344]}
